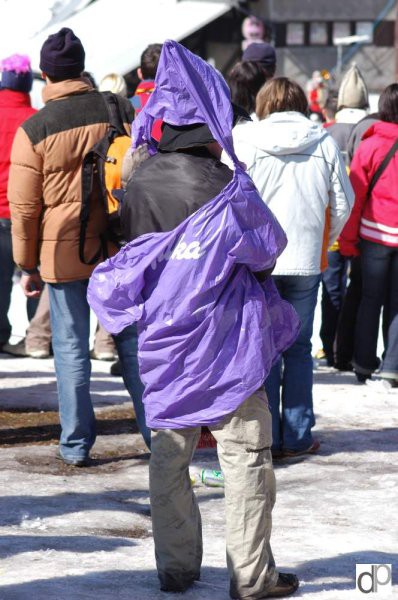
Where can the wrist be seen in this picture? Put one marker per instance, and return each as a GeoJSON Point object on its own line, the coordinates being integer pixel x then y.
{"type": "Point", "coordinates": [34, 271]}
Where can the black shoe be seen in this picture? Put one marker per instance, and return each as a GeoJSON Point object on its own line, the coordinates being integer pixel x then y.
{"type": "Point", "coordinates": [176, 584]}
{"type": "Point", "coordinates": [74, 462]}
{"type": "Point", "coordinates": [116, 369]}
{"type": "Point", "coordinates": [287, 584]}
{"type": "Point", "coordinates": [343, 366]}
{"type": "Point", "coordinates": [361, 378]}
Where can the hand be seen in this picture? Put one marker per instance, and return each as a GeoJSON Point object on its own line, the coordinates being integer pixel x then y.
{"type": "Point", "coordinates": [32, 285]}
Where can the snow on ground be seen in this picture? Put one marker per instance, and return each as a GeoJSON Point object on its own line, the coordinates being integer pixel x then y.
{"type": "Point", "coordinates": [86, 533]}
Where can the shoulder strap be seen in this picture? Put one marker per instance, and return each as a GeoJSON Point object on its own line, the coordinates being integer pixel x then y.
{"type": "Point", "coordinates": [112, 106]}
{"type": "Point", "coordinates": [88, 165]}
{"type": "Point", "coordinates": [87, 186]}
{"type": "Point", "coordinates": [382, 166]}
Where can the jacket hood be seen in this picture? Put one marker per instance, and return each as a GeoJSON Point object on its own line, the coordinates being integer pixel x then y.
{"type": "Point", "coordinates": [282, 133]}
{"type": "Point", "coordinates": [382, 128]}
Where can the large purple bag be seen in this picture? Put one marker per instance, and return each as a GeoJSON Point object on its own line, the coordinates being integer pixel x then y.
{"type": "Point", "coordinates": [209, 332]}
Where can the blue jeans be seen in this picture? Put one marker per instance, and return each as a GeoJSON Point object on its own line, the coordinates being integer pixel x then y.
{"type": "Point", "coordinates": [379, 287]}
{"type": "Point", "coordinates": [290, 380]}
{"type": "Point", "coordinates": [70, 323]}
{"type": "Point", "coordinates": [6, 274]}
{"type": "Point", "coordinates": [127, 347]}
{"type": "Point", "coordinates": [334, 283]}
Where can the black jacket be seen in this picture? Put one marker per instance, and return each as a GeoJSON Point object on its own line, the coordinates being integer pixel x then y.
{"type": "Point", "coordinates": [169, 187]}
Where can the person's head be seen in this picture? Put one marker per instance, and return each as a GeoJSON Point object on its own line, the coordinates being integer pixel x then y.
{"type": "Point", "coordinates": [183, 137]}
{"type": "Point", "coordinates": [62, 56]}
{"type": "Point", "coordinates": [330, 108]}
{"type": "Point", "coordinates": [16, 73]}
{"type": "Point", "coordinates": [149, 61]}
{"type": "Point", "coordinates": [245, 80]}
{"type": "Point", "coordinates": [197, 135]}
{"type": "Point", "coordinates": [280, 95]}
{"type": "Point", "coordinates": [113, 82]}
{"type": "Point", "coordinates": [353, 92]}
{"type": "Point", "coordinates": [388, 104]}
{"type": "Point", "coordinates": [264, 54]}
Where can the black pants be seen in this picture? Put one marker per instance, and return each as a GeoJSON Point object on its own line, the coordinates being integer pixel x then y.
{"type": "Point", "coordinates": [334, 283]}
{"type": "Point", "coordinates": [345, 336]}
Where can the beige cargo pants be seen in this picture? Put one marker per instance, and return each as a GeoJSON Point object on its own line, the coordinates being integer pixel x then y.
{"type": "Point", "coordinates": [243, 444]}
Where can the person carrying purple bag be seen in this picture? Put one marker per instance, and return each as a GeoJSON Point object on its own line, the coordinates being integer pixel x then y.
{"type": "Point", "coordinates": [211, 324]}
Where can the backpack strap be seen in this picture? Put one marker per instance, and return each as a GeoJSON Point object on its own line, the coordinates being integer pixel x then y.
{"type": "Point", "coordinates": [87, 186]}
{"type": "Point", "coordinates": [113, 109]}
{"type": "Point", "coordinates": [381, 168]}
{"type": "Point", "coordinates": [116, 128]}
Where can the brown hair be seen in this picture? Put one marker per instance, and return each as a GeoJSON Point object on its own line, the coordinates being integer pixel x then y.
{"type": "Point", "coordinates": [245, 79]}
{"type": "Point", "coordinates": [149, 60]}
{"type": "Point", "coordinates": [279, 95]}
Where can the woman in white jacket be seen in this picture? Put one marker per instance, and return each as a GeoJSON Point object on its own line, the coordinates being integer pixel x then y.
{"type": "Point", "coordinates": [298, 169]}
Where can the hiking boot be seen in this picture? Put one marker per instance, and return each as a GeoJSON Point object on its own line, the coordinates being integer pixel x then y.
{"type": "Point", "coordinates": [316, 444]}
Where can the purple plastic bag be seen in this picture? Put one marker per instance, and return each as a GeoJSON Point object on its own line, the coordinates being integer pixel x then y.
{"type": "Point", "coordinates": [209, 332]}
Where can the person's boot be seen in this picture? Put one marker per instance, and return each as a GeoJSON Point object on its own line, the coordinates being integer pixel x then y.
{"type": "Point", "coordinates": [286, 585]}
{"type": "Point", "coordinates": [17, 349]}
{"type": "Point", "coordinates": [116, 369]}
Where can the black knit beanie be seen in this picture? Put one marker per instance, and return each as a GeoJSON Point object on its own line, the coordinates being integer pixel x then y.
{"type": "Point", "coordinates": [62, 55]}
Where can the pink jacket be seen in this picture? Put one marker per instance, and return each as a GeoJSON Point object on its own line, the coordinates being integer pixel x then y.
{"type": "Point", "coordinates": [374, 219]}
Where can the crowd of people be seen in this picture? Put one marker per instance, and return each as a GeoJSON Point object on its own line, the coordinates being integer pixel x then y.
{"type": "Point", "coordinates": [236, 203]}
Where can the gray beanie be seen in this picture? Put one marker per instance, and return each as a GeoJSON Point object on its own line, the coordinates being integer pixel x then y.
{"type": "Point", "coordinates": [353, 92]}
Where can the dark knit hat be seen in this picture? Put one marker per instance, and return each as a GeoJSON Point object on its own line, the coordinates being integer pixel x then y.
{"type": "Point", "coordinates": [261, 52]}
{"type": "Point", "coordinates": [62, 55]}
{"type": "Point", "coordinates": [16, 73]}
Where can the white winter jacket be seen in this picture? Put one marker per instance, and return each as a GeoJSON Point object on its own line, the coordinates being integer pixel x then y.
{"type": "Point", "coordinates": [300, 174]}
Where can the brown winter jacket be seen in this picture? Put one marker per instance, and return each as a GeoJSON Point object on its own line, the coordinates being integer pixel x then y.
{"type": "Point", "coordinates": [44, 187]}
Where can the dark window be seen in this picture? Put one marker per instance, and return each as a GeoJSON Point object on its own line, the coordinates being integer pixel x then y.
{"type": "Point", "coordinates": [383, 35]}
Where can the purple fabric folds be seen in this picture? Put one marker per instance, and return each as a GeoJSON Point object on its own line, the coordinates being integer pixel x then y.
{"type": "Point", "coordinates": [209, 332]}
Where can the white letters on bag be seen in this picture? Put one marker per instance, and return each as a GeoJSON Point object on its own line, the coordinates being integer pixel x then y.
{"type": "Point", "coordinates": [184, 251]}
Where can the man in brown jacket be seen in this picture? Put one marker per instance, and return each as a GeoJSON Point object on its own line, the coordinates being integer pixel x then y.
{"type": "Point", "coordinates": [45, 201]}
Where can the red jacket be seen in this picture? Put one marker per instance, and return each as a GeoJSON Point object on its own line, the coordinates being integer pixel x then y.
{"type": "Point", "coordinates": [15, 108]}
{"type": "Point", "coordinates": [375, 219]}
{"type": "Point", "coordinates": [140, 98]}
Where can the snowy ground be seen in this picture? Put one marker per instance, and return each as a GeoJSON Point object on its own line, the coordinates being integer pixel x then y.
{"type": "Point", "coordinates": [86, 533]}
